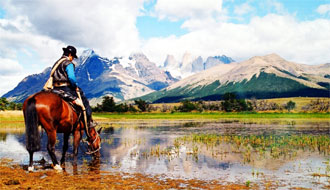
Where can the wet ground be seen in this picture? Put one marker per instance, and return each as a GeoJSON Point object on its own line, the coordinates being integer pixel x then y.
{"type": "Point", "coordinates": [255, 155]}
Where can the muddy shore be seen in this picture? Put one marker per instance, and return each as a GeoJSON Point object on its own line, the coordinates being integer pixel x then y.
{"type": "Point", "coordinates": [13, 176]}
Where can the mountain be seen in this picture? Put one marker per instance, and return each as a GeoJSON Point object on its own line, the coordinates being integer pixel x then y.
{"type": "Point", "coordinates": [191, 65]}
{"type": "Point", "coordinates": [123, 78]}
{"type": "Point", "coordinates": [267, 76]}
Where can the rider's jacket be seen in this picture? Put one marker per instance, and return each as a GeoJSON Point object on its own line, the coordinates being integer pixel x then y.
{"type": "Point", "coordinates": [60, 74]}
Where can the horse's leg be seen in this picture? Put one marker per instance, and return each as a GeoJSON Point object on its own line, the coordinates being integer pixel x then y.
{"type": "Point", "coordinates": [31, 168]}
{"type": "Point", "coordinates": [51, 148]}
{"type": "Point", "coordinates": [65, 147]}
{"type": "Point", "coordinates": [76, 142]}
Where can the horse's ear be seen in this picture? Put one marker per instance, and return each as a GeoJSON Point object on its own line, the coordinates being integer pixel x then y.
{"type": "Point", "coordinates": [99, 131]}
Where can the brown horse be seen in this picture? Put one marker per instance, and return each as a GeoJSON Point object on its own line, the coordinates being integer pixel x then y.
{"type": "Point", "coordinates": [55, 116]}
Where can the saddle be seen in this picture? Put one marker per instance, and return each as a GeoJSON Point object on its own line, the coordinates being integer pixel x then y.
{"type": "Point", "coordinates": [69, 98]}
{"type": "Point", "coordinates": [64, 95]}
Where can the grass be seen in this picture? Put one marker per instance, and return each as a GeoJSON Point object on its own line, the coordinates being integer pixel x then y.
{"type": "Point", "coordinates": [300, 101]}
{"type": "Point", "coordinates": [14, 119]}
{"type": "Point", "coordinates": [275, 146]}
{"type": "Point", "coordinates": [11, 120]}
{"type": "Point", "coordinates": [12, 116]}
{"type": "Point", "coordinates": [214, 115]}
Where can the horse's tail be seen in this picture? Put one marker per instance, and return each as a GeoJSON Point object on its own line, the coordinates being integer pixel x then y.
{"type": "Point", "coordinates": [31, 126]}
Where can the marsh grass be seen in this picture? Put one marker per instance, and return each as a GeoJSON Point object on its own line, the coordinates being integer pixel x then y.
{"type": "Point", "coordinates": [211, 115]}
{"type": "Point", "coordinates": [14, 119]}
{"type": "Point", "coordinates": [11, 116]}
{"type": "Point", "coordinates": [253, 147]}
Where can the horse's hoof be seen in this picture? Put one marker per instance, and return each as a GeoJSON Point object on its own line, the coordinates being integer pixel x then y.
{"type": "Point", "coordinates": [30, 168]}
{"type": "Point", "coordinates": [58, 167]}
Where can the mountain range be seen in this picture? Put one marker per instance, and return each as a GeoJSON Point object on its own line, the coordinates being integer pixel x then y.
{"type": "Point", "coordinates": [120, 77]}
{"type": "Point", "coordinates": [268, 76]}
{"type": "Point", "coordinates": [136, 76]}
{"type": "Point", "coordinates": [191, 65]}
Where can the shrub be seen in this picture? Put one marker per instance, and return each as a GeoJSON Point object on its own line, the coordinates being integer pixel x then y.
{"type": "Point", "coordinates": [6, 105]}
{"type": "Point", "coordinates": [230, 103]}
{"type": "Point", "coordinates": [290, 105]}
{"type": "Point", "coordinates": [142, 105]}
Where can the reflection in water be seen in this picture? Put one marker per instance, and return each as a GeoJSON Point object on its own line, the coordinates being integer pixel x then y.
{"type": "Point", "coordinates": [228, 151]}
{"type": "Point", "coordinates": [3, 136]}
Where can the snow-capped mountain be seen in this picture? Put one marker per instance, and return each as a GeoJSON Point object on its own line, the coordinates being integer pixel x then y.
{"type": "Point", "coordinates": [192, 64]}
{"type": "Point", "coordinates": [261, 77]}
{"type": "Point", "coordinates": [121, 77]}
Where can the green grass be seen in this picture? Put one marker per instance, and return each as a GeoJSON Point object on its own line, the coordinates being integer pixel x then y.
{"type": "Point", "coordinates": [243, 115]}
{"type": "Point", "coordinates": [275, 145]}
{"type": "Point", "coordinates": [16, 120]}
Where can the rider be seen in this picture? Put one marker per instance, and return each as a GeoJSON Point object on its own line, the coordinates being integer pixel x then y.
{"type": "Point", "coordinates": [64, 79]}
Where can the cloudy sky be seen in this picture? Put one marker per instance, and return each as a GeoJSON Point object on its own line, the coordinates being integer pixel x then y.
{"type": "Point", "coordinates": [33, 32]}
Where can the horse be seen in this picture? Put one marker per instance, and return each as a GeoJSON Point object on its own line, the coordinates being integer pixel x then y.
{"type": "Point", "coordinates": [55, 116]}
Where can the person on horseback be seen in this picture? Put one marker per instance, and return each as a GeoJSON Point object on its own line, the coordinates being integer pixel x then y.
{"type": "Point", "coordinates": [64, 82]}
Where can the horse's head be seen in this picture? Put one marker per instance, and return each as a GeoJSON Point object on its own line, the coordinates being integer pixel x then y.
{"type": "Point", "coordinates": [93, 140]}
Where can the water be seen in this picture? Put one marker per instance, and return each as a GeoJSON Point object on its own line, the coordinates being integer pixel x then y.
{"type": "Point", "coordinates": [158, 149]}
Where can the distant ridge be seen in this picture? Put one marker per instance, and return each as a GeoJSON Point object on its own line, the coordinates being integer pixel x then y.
{"type": "Point", "coordinates": [120, 77]}
{"type": "Point", "coordinates": [191, 65]}
{"type": "Point", "coordinates": [267, 76]}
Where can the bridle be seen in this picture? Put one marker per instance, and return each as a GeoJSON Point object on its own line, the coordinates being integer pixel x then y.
{"type": "Point", "coordinates": [90, 145]}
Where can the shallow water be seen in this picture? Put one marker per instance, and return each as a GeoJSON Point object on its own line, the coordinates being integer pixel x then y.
{"type": "Point", "coordinates": [157, 148]}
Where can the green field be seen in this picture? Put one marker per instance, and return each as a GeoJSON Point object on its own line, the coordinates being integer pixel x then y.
{"type": "Point", "coordinates": [220, 115]}
{"type": "Point", "coordinates": [17, 116]}
{"type": "Point", "coordinates": [14, 119]}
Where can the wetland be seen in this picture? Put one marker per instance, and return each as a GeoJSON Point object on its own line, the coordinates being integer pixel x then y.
{"type": "Point", "coordinates": [236, 153]}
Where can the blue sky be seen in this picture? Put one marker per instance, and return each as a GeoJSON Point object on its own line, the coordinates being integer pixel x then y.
{"type": "Point", "coordinates": [2, 12]}
{"type": "Point", "coordinates": [153, 27]}
{"type": "Point", "coordinates": [304, 10]}
{"type": "Point", "coordinates": [32, 33]}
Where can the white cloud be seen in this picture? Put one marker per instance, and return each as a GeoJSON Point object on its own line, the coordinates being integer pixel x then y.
{"type": "Point", "coordinates": [303, 42]}
{"type": "Point", "coordinates": [243, 9]}
{"type": "Point", "coordinates": [44, 27]}
{"type": "Point", "coordinates": [15, 37]}
{"type": "Point", "coordinates": [273, 6]}
{"type": "Point", "coordinates": [10, 74]}
{"type": "Point", "coordinates": [9, 67]}
{"type": "Point", "coordinates": [107, 26]}
{"type": "Point", "coordinates": [183, 9]}
{"type": "Point", "coordinates": [323, 9]}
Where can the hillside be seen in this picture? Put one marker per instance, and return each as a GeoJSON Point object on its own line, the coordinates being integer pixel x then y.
{"type": "Point", "coordinates": [267, 76]}
{"type": "Point", "coordinates": [120, 77]}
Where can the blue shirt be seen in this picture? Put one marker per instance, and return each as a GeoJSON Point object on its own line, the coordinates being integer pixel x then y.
{"type": "Point", "coordinates": [72, 78]}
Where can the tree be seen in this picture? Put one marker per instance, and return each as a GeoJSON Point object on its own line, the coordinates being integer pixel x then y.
{"type": "Point", "coordinates": [187, 106]}
{"type": "Point", "coordinates": [230, 103]}
{"type": "Point", "coordinates": [142, 105]}
{"type": "Point", "coordinates": [6, 105]}
{"type": "Point", "coordinates": [229, 96]}
{"type": "Point", "coordinates": [290, 105]}
{"type": "Point", "coordinates": [108, 104]}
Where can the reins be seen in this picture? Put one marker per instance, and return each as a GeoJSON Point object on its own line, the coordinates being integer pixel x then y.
{"type": "Point", "coordinates": [91, 144]}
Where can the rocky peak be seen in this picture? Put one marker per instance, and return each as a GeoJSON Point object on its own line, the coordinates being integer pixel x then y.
{"type": "Point", "coordinates": [197, 65]}
{"type": "Point", "coordinates": [85, 55]}
{"type": "Point", "coordinates": [170, 62]}
{"type": "Point", "coordinates": [139, 57]}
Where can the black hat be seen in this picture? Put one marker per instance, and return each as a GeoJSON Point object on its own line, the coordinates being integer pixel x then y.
{"type": "Point", "coordinates": [72, 50]}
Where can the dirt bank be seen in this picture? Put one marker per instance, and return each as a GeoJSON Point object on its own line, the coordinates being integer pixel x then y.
{"type": "Point", "coordinates": [12, 176]}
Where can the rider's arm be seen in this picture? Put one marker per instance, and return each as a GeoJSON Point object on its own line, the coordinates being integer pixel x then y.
{"type": "Point", "coordinates": [72, 78]}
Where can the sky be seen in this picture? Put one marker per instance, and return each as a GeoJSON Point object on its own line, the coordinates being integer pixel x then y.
{"type": "Point", "coordinates": [33, 32]}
